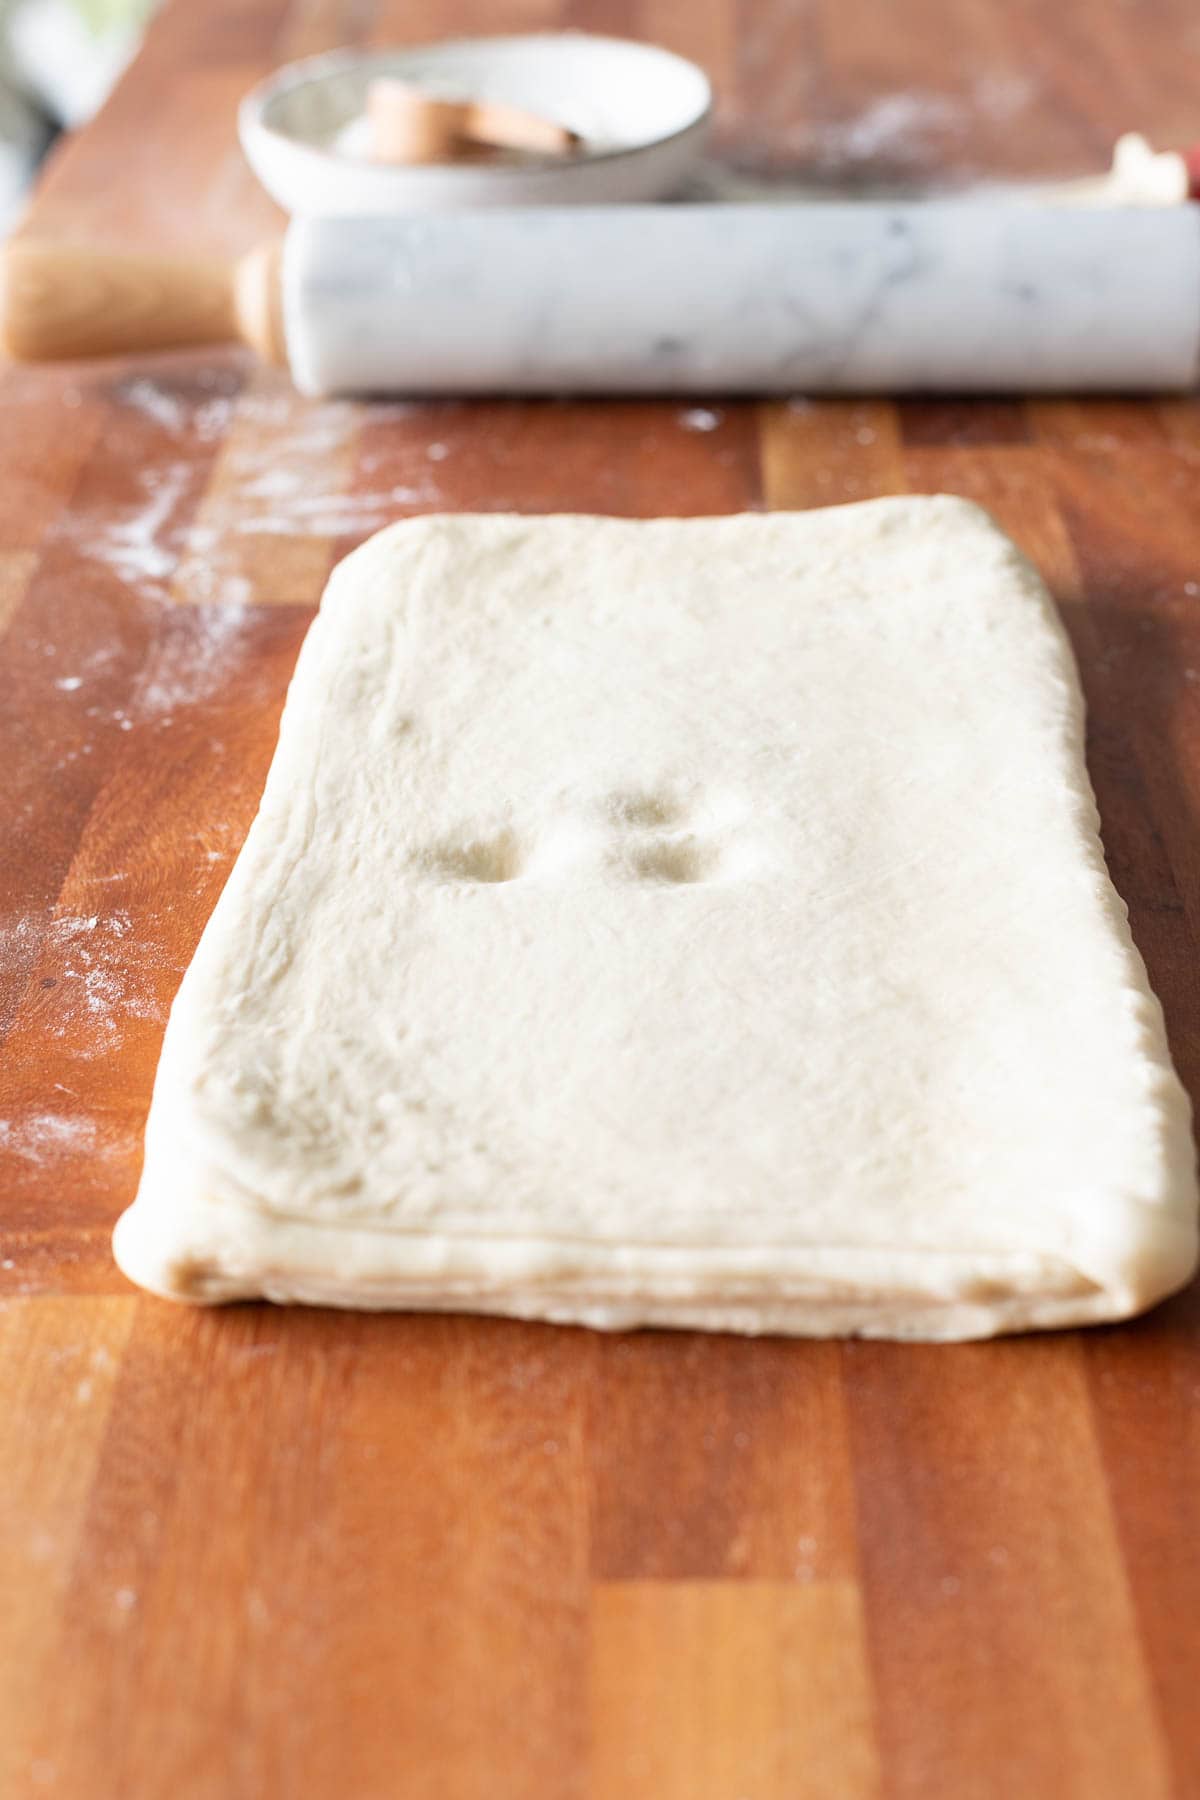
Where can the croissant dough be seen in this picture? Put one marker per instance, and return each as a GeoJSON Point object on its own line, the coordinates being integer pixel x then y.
{"type": "Point", "coordinates": [691, 922]}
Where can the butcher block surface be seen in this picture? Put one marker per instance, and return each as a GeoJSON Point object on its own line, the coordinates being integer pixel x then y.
{"type": "Point", "coordinates": [261, 1553]}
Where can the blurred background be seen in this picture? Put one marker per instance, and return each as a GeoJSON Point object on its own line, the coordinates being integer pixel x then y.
{"type": "Point", "coordinates": [866, 95]}
{"type": "Point", "coordinates": [58, 61]}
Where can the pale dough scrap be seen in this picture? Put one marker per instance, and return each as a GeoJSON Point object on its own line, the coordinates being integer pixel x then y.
{"type": "Point", "coordinates": [684, 922]}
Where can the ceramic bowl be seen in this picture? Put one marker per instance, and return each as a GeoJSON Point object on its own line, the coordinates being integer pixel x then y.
{"type": "Point", "coordinates": [642, 113]}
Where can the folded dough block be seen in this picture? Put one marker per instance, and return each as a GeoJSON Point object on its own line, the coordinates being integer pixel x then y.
{"type": "Point", "coordinates": [684, 922]}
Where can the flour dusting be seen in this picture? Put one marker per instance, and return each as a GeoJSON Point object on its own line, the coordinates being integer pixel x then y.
{"type": "Point", "coordinates": [207, 421]}
{"type": "Point", "coordinates": [280, 502]}
{"type": "Point", "coordinates": [277, 476]}
{"type": "Point", "coordinates": [156, 402]}
{"type": "Point", "coordinates": [699, 418]}
{"type": "Point", "coordinates": [36, 1137]}
{"type": "Point", "coordinates": [107, 978]}
{"type": "Point", "coordinates": [189, 669]}
{"type": "Point", "coordinates": [898, 127]}
{"type": "Point", "coordinates": [910, 142]}
{"type": "Point", "coordinates": [136, 547]}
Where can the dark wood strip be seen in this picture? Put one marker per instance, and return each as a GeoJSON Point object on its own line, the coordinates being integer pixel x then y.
{"type": "Point", "coordinates": [991, 1567]}
{"type": "Point", "coordinates": [962, 422]}
{"type": "Point", "coordinates": [713, 1458]}
{"type": "Point", "coordinates": [1137, 544]}
{"type": "Point", "coordinates": [1095, 427]}
{"type": "Point", "coordinates": [1144, 1380]}
{"type": "Point", "coordinates": [1132, 515]}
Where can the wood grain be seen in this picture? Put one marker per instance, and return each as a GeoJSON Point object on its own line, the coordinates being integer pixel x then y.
{"type": "Point", "coordinates": [705, 1689]}
{"type": "Point", "coordinates": [989, 1552]}
{"type": "Point", "coordinates": [264, 1554]}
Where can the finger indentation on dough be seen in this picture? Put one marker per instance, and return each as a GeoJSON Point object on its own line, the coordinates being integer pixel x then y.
{"type": "Point", "coordinates": [644, 809]}
{"type": "Point", "coordinates": [496, 856]}
{"type": "Point", "coordinates": [675, 860]}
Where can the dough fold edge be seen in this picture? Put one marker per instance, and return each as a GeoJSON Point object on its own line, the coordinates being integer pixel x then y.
{"type": "Point", "coordinates": [220, 1253]}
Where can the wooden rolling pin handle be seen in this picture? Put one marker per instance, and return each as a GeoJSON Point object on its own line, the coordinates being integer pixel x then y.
{"type": "Point", "coordinates": [258, 302]}
{"type": "Point", "coordinates": [59, 301]}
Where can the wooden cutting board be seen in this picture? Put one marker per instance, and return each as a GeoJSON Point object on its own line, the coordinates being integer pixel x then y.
{"type": "Point", "coordinates": [261, 1553]}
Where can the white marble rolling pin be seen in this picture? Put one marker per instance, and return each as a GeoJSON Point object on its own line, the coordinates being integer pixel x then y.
{"type": "Point", "coordinates": [792, 298]}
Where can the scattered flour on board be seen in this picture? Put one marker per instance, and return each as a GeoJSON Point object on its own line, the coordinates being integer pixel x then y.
{"type": "Point", "coordinates": [914, 129]}
{"type": "Point", "coordinates": [188, 669]}
{"type": "Point", "coordinates": [41, 1136]}
{"type": "Point", "coordinates": [280, 503]}
{"type": "Point", "coordinates": [190, 532]}
{"type": "Point", "coordinates": [182, 536]}
{"type": "Point", "coordinates": [157, 403]}
{"type": "Point", "coordinates": [133, 546]}
{"type": "Point", "coordinates": [898, 127]}
{"type": "Point", "coordinates": [699, 418]}
{"type": "Point", "coordinates": [107, 971]}
{"type": "Point", "coordinates": [208, 421]}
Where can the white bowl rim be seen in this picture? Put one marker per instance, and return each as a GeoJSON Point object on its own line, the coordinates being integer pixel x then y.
{"type": "Point", "coordinates": [328, 63]}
